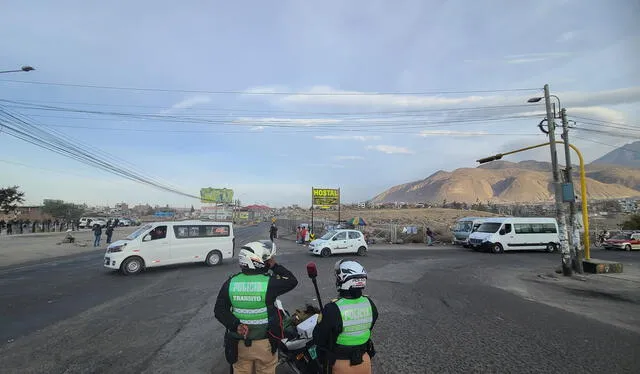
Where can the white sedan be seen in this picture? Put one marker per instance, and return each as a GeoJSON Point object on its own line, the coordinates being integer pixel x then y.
{"type": "Point", "coordinates": [339, 241]}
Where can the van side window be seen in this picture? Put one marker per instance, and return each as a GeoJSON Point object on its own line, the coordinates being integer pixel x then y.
{"type": "Point", "coordinates": [159, 232]}
{"type": "Point", "coordinates": [549, 228]}
{"type": "Point", "coordinates": [201, 231]}
{"type": "Point", "coordinates": [507, 228]}
{"type": "Point", "coordinates": [523, 228]}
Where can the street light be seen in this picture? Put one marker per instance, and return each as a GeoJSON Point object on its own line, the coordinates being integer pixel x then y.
{"type": "Point", "coordinates": [26, 68]}
{"type": "Point", "coordinates": [537, 99]}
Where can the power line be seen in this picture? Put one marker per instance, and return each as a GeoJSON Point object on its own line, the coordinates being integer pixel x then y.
{"type": "Point", "coordinates": [29, 105]}
{"type": "Point", "coordinates": [607, 122]}
{"type": "Point", "coordinates": [260, 93]}
{"type": "Point", "coordinates": [25, 131]}
{"type": "Point", "coordinates": [607, 144]}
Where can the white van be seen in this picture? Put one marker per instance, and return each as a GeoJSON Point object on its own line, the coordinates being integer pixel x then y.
{"type": "Point", "coordinates": [463, 228]}
{"type": "Point", "coordinates": [339, 241]}
{"type": "Point", "coordinates": [169, 243]}
{"type": "Point", "coordinates": [516, 233]}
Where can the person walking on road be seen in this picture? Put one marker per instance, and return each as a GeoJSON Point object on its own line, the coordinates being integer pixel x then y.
{"type": "Point", "coordinates": [245, 306]}
{"type": "Point", "coordinates": [109, 232]}
{"type": "Point", "coordinates": [273, 231]}
{"type": "Point", "coordinates": [429, 237]}
{"type": "Point", "coordinates": [97, 234]}
{"type": "Point", "coordinates": [343, 336]}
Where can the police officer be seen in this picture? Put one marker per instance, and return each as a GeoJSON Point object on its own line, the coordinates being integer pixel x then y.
{"type": "Point", "coordinates": [343, 336]}
{"type": "Point", "coordinates": [245, 306]}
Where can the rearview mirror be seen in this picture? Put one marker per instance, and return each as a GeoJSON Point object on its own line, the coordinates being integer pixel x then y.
{"type": "Point", "coordinates": [335, 238]}
{"type": "Point", "coordinates": [502, 232]}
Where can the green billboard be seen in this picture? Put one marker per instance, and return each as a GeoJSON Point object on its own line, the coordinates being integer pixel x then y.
{"type": "Point", "coordinates": [216, 195]}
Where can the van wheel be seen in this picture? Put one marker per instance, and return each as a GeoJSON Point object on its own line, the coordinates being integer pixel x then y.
{"type": "Point", "coordinates": [362, 251]}
{"type": "Point", "coordinates": [132, 265]}
{"type": "Point", "coordinates": [497, 248]}
{"type": "Point", "coordinates": [326, 252]}
{"type": "Point", "coordinates": [551, 247]}
{"type": "Point", "coordinates": [213, 258]}
{"type": "Point", "coordinates": [627, 247]}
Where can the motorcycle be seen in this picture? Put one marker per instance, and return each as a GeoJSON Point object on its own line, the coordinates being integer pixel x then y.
{"type": "Point", "coordinates": [296, 349]}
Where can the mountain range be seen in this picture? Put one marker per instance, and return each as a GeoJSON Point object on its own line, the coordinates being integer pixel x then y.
{"type": "Point", "coordinates": [612, 176]}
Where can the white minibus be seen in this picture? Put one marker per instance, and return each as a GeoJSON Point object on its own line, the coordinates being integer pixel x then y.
{"type": "Point", "coordinates": [463, 228]}
{"type": "Point", "coordinates": [516, 233]}
{"type": "Point", "coordinates": [170, 243]}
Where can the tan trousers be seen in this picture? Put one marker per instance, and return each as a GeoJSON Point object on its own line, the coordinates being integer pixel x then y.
{"type": "Point", "coordinates": [257, 356]}
{"type": "Point", "coordinates": [344, 366]}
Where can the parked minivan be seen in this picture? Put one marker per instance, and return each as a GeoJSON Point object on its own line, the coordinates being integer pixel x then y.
{"type": "Point", "coordinates": [170, 243]}
{"type": "Point", "coordinates": [464, 227]}
{"type": "Point", "coordinates": [516, 233]}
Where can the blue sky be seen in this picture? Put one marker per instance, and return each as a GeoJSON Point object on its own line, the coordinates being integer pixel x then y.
{"type": "Point", "coordinates": [250, 125]}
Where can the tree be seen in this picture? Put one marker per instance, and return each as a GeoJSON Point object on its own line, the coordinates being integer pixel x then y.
{"type": "Point", "coordinates": [61, 210]}
{"type": "Point", "coordinates": [456, 205]}
{"type": "Point", "coordinates": [192, 209]}
{"type": "Point", "coordinates": [10, 198]}
{"type": "Point", "coordinates": [444, 203]}
{"type": "Point", "coordinates": [633, 223]}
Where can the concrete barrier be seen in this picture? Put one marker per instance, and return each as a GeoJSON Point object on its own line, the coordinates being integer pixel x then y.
{"type": "Point", "coordinates": [594, 266]}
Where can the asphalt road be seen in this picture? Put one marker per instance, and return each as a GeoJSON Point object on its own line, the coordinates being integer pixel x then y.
{"type": "Point", "coordinates": [441, 310]}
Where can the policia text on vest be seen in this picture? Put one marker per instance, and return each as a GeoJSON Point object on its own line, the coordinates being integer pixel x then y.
{"type": "Point", "coordinates": [343, 336]}
{"type": "Point", "coordinates": [247, 299]}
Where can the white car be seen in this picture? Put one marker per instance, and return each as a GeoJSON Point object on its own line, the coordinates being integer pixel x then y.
{"type": "Point", "coordinates": [338, 242]}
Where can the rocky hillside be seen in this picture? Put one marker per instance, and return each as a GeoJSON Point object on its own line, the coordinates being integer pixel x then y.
{"type": "Point", "coordinates": [625, 156]}
{"type": "Point", "coordinates": [504, 181]}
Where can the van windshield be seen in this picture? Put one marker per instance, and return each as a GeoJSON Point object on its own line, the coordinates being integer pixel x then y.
{"type": "Point", "coordinates": [489, 227]}
{"type": "Point", "coordinates": [463, 226]}
{"type": "Point", "coordinates": [138, 232]}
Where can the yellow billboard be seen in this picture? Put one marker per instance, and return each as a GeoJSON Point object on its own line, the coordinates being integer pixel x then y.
{"type": "Point", "coordinates": [216, 195]}
{"type": "Point", "coordinates": [325, 197]}
{"type": "Point", "coordinates": [243, 215]}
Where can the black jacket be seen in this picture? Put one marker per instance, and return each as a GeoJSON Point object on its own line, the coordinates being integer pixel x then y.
{"type": "Point", "coordinates": [281, 282]}
{"type": "Point", "coordinates": [326, 332]}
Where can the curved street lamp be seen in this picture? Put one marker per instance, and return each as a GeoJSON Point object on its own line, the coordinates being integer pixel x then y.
{"type": "Point", "coordinates": [25, 68]}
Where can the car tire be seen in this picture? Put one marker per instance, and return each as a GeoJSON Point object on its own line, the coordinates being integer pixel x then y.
{"type": "Point", "coordinates": [497, 248]}
{"type": "Point", "coordinates": [627, 247]}
{"type": "Point", "coordinates": [551, 247]}
{"type": "Point", "coordinates": [214, 258]}
{"type": "Point", "coordinates": [362, 251]}
{"type": "Point", "coordinates": [326, 252]}
{"type": "Point", "coordinates": [132, 265]}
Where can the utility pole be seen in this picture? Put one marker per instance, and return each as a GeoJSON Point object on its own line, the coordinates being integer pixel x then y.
{"type": "Point", "coordinates": [577, 253]}
{"type": "Point", "coordinates": [560, 216]}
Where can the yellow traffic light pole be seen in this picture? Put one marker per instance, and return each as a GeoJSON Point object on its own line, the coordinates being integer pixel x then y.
{"type": "Point", "coordinates": [583, 187]}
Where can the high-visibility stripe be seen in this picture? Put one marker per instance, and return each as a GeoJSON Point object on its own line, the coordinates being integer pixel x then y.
{"type": "Point", "coordinates": [250, 311]}
{"type": "Point", "coordinates": [254, 321]}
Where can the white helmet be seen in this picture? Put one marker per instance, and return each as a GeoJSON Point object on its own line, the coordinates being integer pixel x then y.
{"type": "Point", "coordinates": [254, 255]}
{"type": "Point", "coordinates": [350, 275]}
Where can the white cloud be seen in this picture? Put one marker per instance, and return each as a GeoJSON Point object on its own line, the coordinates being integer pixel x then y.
{"type": "Point", "coordinates": [390, 149]}
{"type": "Point", "coordinates": [287, 121]}
{"type": "Point", "coordinates": [598, 113]}
{"type": "Point", "coordinates": [370, 101]}
{"type": "Point", "coordinates": [333, 166]}
{"type": "Point", "coordinates": [187, 103]}
{"type": "Point", "coordinates": [566, 37]}
{"type": "Point", "coordinates": [345, 158]}
{"type": "Point", "coordinates": [426, 133]}
{"type": "Point", "coordinates": [257, 128]}
{"type": "Point", "coordinates": [533, 57]}
{"type": "Point", "coordinates": [362, 138]}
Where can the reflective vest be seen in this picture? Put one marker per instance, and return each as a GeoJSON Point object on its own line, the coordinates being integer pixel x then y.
{"type": "Point", "coordinates": [357, 318]}
{"type": "Point", "coordinates": [248, 294]}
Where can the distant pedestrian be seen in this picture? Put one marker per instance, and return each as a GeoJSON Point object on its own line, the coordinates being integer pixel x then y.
{"type": "Point", "coordinates": [273, 231]}
{"type": "Point", "coordinates": [97, 233]}
{"type": "Point", "coordinates": [109, 233]}
{"type": "Point", "coordinates": [429, 237]}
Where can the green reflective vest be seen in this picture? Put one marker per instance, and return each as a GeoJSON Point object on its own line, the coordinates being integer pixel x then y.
{"type": "Point", "coordinates": [248, 294]}
{"type": "Point", "coordinates": [357, 318]}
